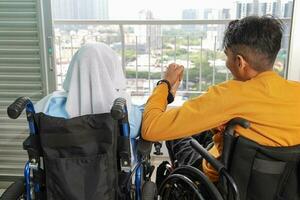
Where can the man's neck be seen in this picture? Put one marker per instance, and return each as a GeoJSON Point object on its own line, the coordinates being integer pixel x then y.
{"type": "Point", "coordinates": [252, 73]}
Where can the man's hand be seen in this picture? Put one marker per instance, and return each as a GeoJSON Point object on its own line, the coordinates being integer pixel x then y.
{"type": "Point", "coordinates": [174, 74]}
{"type": "Point", "coordinates": [174, 88]}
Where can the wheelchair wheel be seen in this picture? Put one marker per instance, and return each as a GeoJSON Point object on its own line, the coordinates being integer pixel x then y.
{"type": "Point", "coordinates": [162, 172]}
{"type": "Point", "coordinates": [149, 191]}
{"type": "Point", "coordinates": [186, 183]}
{"type": "Point", "coordinates": [15, 191]}
{"type": "Point", "coordinates": [179, 187]}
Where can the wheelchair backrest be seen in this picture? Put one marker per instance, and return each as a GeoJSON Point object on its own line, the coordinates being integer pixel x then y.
{"type": "Point", "coordinates": [80, 156]}
{"type": "Point", "coordinates": [265, 173]}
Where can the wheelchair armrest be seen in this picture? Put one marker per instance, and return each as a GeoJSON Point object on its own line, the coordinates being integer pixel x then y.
{"type": "Point", "coordinates": [144, 147]}
{"type": "Point", "coordinates": [207, 156]}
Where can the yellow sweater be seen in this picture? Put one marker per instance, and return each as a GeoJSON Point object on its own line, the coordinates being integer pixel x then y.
{"type": "Point", "coordinates": [269, 102]}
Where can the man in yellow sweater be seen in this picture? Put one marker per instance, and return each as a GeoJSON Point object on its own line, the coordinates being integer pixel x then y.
{"type": "Point", "coordinates": [257, 93]}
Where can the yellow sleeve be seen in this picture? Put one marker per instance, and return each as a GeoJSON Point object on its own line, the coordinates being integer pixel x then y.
{"type": "Point", "coordinates": [193, 117]}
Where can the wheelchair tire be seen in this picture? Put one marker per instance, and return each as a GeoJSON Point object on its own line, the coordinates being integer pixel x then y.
{"type": "Point", "coordinates": [178, 187]}
{"type": "Point", "coordinates": [149, 191]}
{"type": "Point", "coordinates": [15, 191]}
{"type": "Point", "coordinates": [198, 176]}
{"type": "Point", "coordinates": [195, 177]}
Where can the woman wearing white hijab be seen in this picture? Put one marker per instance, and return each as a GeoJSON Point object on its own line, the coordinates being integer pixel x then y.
{"type": "Point", "coordinates": [94, 80]}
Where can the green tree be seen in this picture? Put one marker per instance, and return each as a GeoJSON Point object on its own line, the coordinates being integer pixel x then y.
{"type": "Point", "coordinates": [130, 55]}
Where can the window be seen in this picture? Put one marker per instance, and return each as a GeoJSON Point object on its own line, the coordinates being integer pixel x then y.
{"type": "Point", "coordinates": [149, 37]}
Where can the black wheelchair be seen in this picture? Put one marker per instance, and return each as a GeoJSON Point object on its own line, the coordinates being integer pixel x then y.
{"type": "Point", "coordinates": [247, 171]}
{"type": "Point", "coordinates": [87, 157]}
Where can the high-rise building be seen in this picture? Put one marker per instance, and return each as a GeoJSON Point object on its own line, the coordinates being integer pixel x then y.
{"type": "Point", "coordinates": [79, 9]}
{"type": "Point", "coordinates": [211, 31]}
{"type": "Point", "coordinates": [261, 7]}
{"type": "Point", "coordinates": [288, 9]}
{"type": "Point", "coordinates": [249, 9]}
{"type": "Point", "coordinates": [148, 33]}
{"type": "Point", "coordinates": [189, 14]}
{"type": "Point", "coordinates": [255, 7]}
{"type": "Point", "coordinates": [244, 9]}
{"type": "Point", "coordinates": [223, 14]}
{"type": "Point", "coordinates": [277, 8]}
{"type": "Point", "coordinates": [238, 10]}
{"type": "Point", "coordinates": [287, 13]}
{"type": "Point", "coordinates": [210, 13]}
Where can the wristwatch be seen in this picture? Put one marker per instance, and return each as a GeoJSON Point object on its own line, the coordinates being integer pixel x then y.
{"type": "Point", "coordinates": [170, 97]}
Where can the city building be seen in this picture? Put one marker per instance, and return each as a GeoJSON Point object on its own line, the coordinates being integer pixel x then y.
{"type": "Point", "coordinates": [288, 9]}
{"type": "Point", "coordinates": [189, 14]}
{"type": "Point", "coordinates": [223, 14]}
{"type": "Point", "coordinates": [277, 8]}
{"type": "Point", "coordinates": [149, 34]}
{"type": "Point", "coordinates": [79, 9]}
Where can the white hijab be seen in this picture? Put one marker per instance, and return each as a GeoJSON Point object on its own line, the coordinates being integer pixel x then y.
{"type": "Point", "coordinates": [94, 80]}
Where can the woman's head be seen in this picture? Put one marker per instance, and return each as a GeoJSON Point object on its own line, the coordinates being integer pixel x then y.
{"type": "Point", "coordinates": [94, 80]}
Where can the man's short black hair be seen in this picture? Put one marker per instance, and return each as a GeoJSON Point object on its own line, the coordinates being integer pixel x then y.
{"type": "Point", "coordinates": [257, 39]}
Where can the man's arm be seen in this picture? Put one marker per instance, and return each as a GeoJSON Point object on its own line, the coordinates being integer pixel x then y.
{"type": "Point", "coordinates": [194, 116]}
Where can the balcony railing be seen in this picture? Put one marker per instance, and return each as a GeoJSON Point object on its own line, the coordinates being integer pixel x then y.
{"type": "Point", "coordinates": [148, 46]}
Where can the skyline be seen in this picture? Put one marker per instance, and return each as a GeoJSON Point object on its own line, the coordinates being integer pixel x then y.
{"type": "Point", "coordinates": [132, 9]}
{"type": "Point", "coordinates": [158, 7]}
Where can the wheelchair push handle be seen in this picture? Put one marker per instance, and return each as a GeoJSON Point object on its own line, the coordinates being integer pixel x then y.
{"type": "Point", "coordinates": [234, 122]}
{"type": "Point", "coordinates": [16, 108]}
{"type": "Point", "coordinates": [229, 138]}
{"type": "Point", "coordinates": [119, 109]}
{"type": "Point", "coordinates": [119, 113]}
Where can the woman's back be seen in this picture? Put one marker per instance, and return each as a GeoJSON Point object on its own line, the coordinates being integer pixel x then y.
{"type": "Point", "coordinates": [93, 81]}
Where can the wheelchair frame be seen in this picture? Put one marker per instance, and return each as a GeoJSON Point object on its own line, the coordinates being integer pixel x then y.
{"type": "Point", "coordinates": [186, 174]}
{"type": "Point", "coordinates": [142, 170]}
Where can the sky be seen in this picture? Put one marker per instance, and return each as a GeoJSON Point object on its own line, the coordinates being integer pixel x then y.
{"type": "Point", "coordinates": [162, 9]}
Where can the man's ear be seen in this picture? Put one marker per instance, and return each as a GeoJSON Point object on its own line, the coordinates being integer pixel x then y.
{"type": "Point", "coordinates": [241, 62]}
